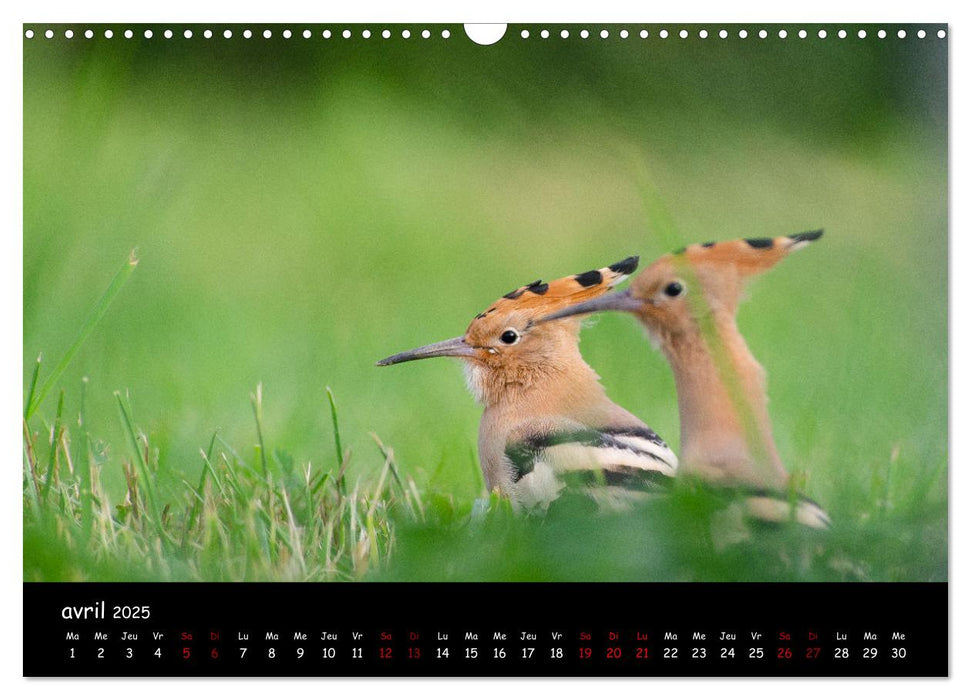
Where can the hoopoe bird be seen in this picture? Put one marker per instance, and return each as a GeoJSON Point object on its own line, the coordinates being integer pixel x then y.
{"type": "Point", "coordinates": [547, 421]}
{"type": "Point", "coordinates": [688, 302]}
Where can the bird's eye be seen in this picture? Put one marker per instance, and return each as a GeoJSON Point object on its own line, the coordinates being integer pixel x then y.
{"type": "Point", "coordinates": [674, 289]}
{"type": "Point", "coordinates": [509, 336]}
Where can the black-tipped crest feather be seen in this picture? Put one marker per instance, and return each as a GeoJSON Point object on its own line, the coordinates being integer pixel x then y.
{"type": "Point", "coordinates": [807, 236]}
{"type": "Point", "coordinates": [625, 266]}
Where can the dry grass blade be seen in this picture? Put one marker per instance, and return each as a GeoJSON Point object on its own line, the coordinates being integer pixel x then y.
{"type": "Point", "coordinates": [31, 458]}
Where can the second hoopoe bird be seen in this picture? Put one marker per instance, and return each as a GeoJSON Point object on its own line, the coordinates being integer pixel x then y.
{"type": "Point", "coordinates": [688, 302]}
{"type": "Point", "coordinates": [547, 420]}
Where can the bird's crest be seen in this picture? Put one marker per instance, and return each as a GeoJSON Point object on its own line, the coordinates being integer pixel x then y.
{"type": "Point", "coordinates": [540, 298]}
{"type": "Point", "coordinates": [748, 256]}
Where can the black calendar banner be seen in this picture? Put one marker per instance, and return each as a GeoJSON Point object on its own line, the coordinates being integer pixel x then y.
{"type": "Point", "coordinates": [480, 629]}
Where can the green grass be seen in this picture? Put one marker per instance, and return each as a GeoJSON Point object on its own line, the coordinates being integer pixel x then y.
{"type": "Point", "coordinates": [302, 210]}
{"type": "Point", "coordinates": [273, 517]}
{"type": "Point", "coordinates": [269, 518]}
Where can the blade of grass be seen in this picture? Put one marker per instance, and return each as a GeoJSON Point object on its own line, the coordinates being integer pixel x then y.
{"type": "Point", "coordinates": [235, 455]}
{"type": "Point", "coordinates": [233, 466]}
{"type": "Point", "coordinates": [33, 384]}
{"type": "Point", "coordinates": [97, 313]}
{"type": "Point", "coordinates": [341, 493]}
{"type": "Point", "coordinates": [379, 489]}
{"type": "Point", "coordinates": [257, 400]}
{"type": "Point", "coordinates": [31, 459]}
{"type": "Point", "coordinates": [308, 494]}
{"type": "Point", "coordinates": [388, 455]}
{"type": "Point", "coordinates": [207, 469]}
{"type": "Point", "coordinates": [658, 216]}
{"type": "Point", "coordinates": [52, 455]}
{"type": "Point", "coordinates": [129, 473]}
{"type": "Point", "coordinates": [319, 482]}
{"type": "Point", "coordinates": [477, 476]}
{"type": "Point", "coordinates": [207, 462]}
{"type": "Point", "coordinates": [66, 452]}
{"type": "Point", "coordinates": [296, 547]}
{"type": "Point", "coordinates": [82, 459]}
{"type": "Point", "coordinates": [147, 478]}
{"type": "Point", "coordinates": [337, 442]}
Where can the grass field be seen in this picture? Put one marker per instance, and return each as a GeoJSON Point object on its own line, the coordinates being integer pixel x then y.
{"type": "Point", "coordinates": [301, 210]}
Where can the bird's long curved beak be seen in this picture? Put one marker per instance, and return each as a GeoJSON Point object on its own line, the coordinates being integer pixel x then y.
{"type": "Point", "coordinates": [616, 301]}
{"type": "Point", "coordinates": [454, 347]}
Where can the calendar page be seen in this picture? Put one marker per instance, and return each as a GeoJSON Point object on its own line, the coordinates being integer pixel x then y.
{"type": "Point", "coordinates": [491, 350]}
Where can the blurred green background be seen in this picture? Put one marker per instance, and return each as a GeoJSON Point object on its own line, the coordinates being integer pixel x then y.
{"type": "Point", "coordinates": [304, 207]}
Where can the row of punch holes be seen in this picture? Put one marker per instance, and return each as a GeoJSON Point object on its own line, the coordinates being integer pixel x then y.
{"type": "Point", "coordinates": [525, 33]}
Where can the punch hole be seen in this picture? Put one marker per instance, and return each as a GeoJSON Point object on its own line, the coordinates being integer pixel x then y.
{"type": "Point", "coordinates": [187, 33]}
{"type": "Point", "coordinates": [109, 33]}
{"type": "Point", "coordinates": [485, 34]}
{"type": "Point", "coordinates": [683, 34]}
{"type": "Point", "coordinates": [703, 33]}
{"type": "Point", "coordinates": [267, 33]}
{"type": "Point", "coordinates": [604, 33]}
{"type": "Point", "coordinates": [247, 34]}
{"type": "Point", "coordinates": [208, 34]}
{"type": "Point", "coordinates": [68, 34]}
{"type": "Point", "coordinates": [565, 34]}
{"type": "Point", "coordinates": [723, 34]}
{"type": "Point", "coordinates": [802, 34]}
{"type": "Point", "coordinates": [129, 33]}
{"type": "Point", "coordinates": [545, 34]}
{"type": "Point", "coordinates": [901, 34]}
{"type": "Point", "coordinates": [446, 34]}
{"type": "Point", "coordinates": [49, 34]}
{"type": "Point", "coordinates": [287, 34]}
{"type": "Point", "coordinates": [386, 34]}
{"type": "Point", "coordinates": [524, 34]}
{"type": "Point", "coordinates": [29, 34]}
{"type": "Point", "coordinates": [307, 34]}
{"type": "Point", "coordinates": [821, 34]}
{"type": "Point", "coordinates": [841, 33]}
{"type": "Point", "coordinates": [882, 34]}
{"type": "Point", "coordinates": [861, 33]}
{"type": "Point", "coordinates": [644, 34]}
{"type": "Point", "coordinates": [168, 33]}
{"type": "Point", "coordinates": [941, 34]}
{"type": "Point", "coordinates": [663, 34]}
{"type": "Point", "coordinates": [425, 34]}
{"type": "Point", "coordinates": [742, 34]}
{"type": "Point", "coordinates": [783, 33]}
{"type": "Point", "coordinates": [346, 33]}
{"type": "Point", "coordinates": [366, 33]}
{"type": "Point", "coordinates": [405, 34]}
{"type": "Point", "coordinates": [584, 34]}
{"type": "Point", "coordinates": [624, 34]}
{"type": "Point", "coordinates": [763, 34]}
{"type": "Point", "coordinates": [148, 34]}
{"type": "Point", "coordinates": [921, 34]}
{"type": "Point", "coordinates": [326, 34]}
{"type": "Point", "coordinates": [228, 34]}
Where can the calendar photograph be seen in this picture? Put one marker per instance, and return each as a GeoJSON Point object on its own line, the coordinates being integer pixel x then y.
{"type": "Point", "coordinates": [390, 305]}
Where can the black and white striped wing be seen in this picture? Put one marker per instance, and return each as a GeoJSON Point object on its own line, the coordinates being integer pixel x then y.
{"type": "Point", "coordinates": [609, 463]}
